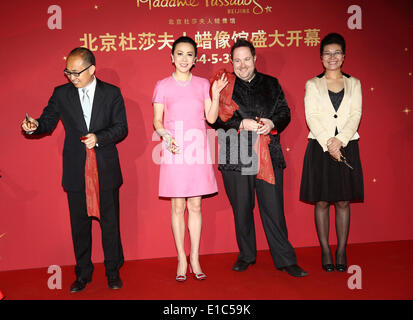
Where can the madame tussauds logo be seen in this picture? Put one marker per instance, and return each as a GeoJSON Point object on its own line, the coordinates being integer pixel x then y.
{"type": "Point", "coordinates": [257, 8]}
{"type": "Point", "coordinates": [167, 3]}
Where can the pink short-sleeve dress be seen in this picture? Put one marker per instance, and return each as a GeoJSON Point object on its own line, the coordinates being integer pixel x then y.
{"type": "Point", "coordinates": [188, 173]}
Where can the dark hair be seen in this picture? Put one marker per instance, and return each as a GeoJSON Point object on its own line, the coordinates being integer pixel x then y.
{"type": "Point", "coordinates": [184, 39]}
{"type": "Point", "coordinates": [333, 38]}
{"type": "Point", "coordinates": [87, 55]}
{"type": "Point", "coordinates": [243, 43]}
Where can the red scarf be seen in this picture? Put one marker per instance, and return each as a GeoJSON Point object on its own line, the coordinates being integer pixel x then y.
{"type": "Point", "coordinates": [227, 107]}
{"type": "Point", "coordinates": [92, 184]}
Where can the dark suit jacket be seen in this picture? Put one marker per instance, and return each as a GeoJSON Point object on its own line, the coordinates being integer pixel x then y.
{"type": "Point", "coordinates": [108, 123]}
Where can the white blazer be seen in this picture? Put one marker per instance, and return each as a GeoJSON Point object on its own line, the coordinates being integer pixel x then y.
{"type": "Point", "coordinates": [322, 119]}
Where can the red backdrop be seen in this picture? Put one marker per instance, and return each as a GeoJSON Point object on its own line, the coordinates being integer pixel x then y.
{"type": "Point", "coordinates": [34, 216]}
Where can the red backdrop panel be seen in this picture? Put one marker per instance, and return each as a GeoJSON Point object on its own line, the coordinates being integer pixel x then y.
{"type": "Point", "coordinates": [129, 42]}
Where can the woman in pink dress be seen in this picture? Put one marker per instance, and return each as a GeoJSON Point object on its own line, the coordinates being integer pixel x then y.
{"type": "Point", "coordinates": [181, 104]}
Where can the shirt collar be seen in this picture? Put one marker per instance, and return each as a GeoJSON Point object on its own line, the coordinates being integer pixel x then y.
{"type": "Point", "coordinates": [90, 88]}
{"type": "Point", "coordinates": [252, 81]}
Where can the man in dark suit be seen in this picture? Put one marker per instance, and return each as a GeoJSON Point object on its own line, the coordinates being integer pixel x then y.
{"type": "Point", "coordinates": [94, 117]}
{"type": "Point", "coordinates": [261, 114]}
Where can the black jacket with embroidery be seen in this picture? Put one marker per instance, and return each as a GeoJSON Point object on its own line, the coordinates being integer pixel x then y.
{"type": "Point", "coordinates": [262, 96]}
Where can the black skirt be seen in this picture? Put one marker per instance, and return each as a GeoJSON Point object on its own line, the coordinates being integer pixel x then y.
{"type": "Point", "coordinates": [324, 179]}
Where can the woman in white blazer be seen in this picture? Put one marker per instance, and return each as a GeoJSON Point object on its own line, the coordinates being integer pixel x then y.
{"type": "Point", "coordinates": [333, 111]}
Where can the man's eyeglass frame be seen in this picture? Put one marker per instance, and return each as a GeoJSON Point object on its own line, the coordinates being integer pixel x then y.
{"type": "Point", "coordinates": [75, 74]}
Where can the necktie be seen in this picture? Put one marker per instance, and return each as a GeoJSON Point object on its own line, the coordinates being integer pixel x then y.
{"type": "Point", "coordinates": [91, 168]}
{"type": "Point", "coordinates": [87, 108]}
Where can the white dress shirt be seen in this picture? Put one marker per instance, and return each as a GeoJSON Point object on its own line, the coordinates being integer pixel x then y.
{"type": "Point", "coordinates": [91, 93]}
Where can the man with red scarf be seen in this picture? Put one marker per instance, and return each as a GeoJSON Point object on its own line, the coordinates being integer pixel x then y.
{"type": "Point", "coordinates": [253, 112]}
{"type": "Point", "coordinates": [94, 117]}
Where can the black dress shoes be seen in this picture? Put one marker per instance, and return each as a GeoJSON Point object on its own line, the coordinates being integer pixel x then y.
{"type": "Point", "coordinates": [115, 283]}
{"type": "Point", "coordinates": [294, 270]}
{"type": "Point", "coordinates": [79, 285]}
{"type": "Point", "coordinates": [240, 265]}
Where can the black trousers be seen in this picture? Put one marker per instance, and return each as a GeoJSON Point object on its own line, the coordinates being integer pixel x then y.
{"type": "Point", "coordinates": [82, 233]}
{"type": "Point", "coordinates": [241, 193]}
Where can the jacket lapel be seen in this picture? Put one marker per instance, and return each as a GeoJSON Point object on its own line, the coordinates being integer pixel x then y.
{"type": "Point", "coordinates": [324, 93]}
{"type": "Point", "coordinates": [76, 109]}
{"type": "Point", "coordinates": [347, 93]}
{"type": "Point", "coordinates": [97, 103]}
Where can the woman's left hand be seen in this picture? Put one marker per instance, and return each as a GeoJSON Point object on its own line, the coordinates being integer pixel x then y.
{"type": "Point", "coordinates": [218, 85]}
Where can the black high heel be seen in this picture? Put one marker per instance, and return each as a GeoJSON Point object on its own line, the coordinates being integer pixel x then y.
{"type": "Point", "coordinates": [341, 267]}
{"type": "Point", "coordinates": [328, 267]}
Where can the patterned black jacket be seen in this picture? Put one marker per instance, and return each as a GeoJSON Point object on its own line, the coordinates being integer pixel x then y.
{"type": "Point", "coordinates": [262, 96]}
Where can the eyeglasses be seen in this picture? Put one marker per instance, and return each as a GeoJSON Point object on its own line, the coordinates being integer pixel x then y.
{"type": "Point", "coordinates": [75, 74]}
{"type": "Point", "coordinates": [337, 54]}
